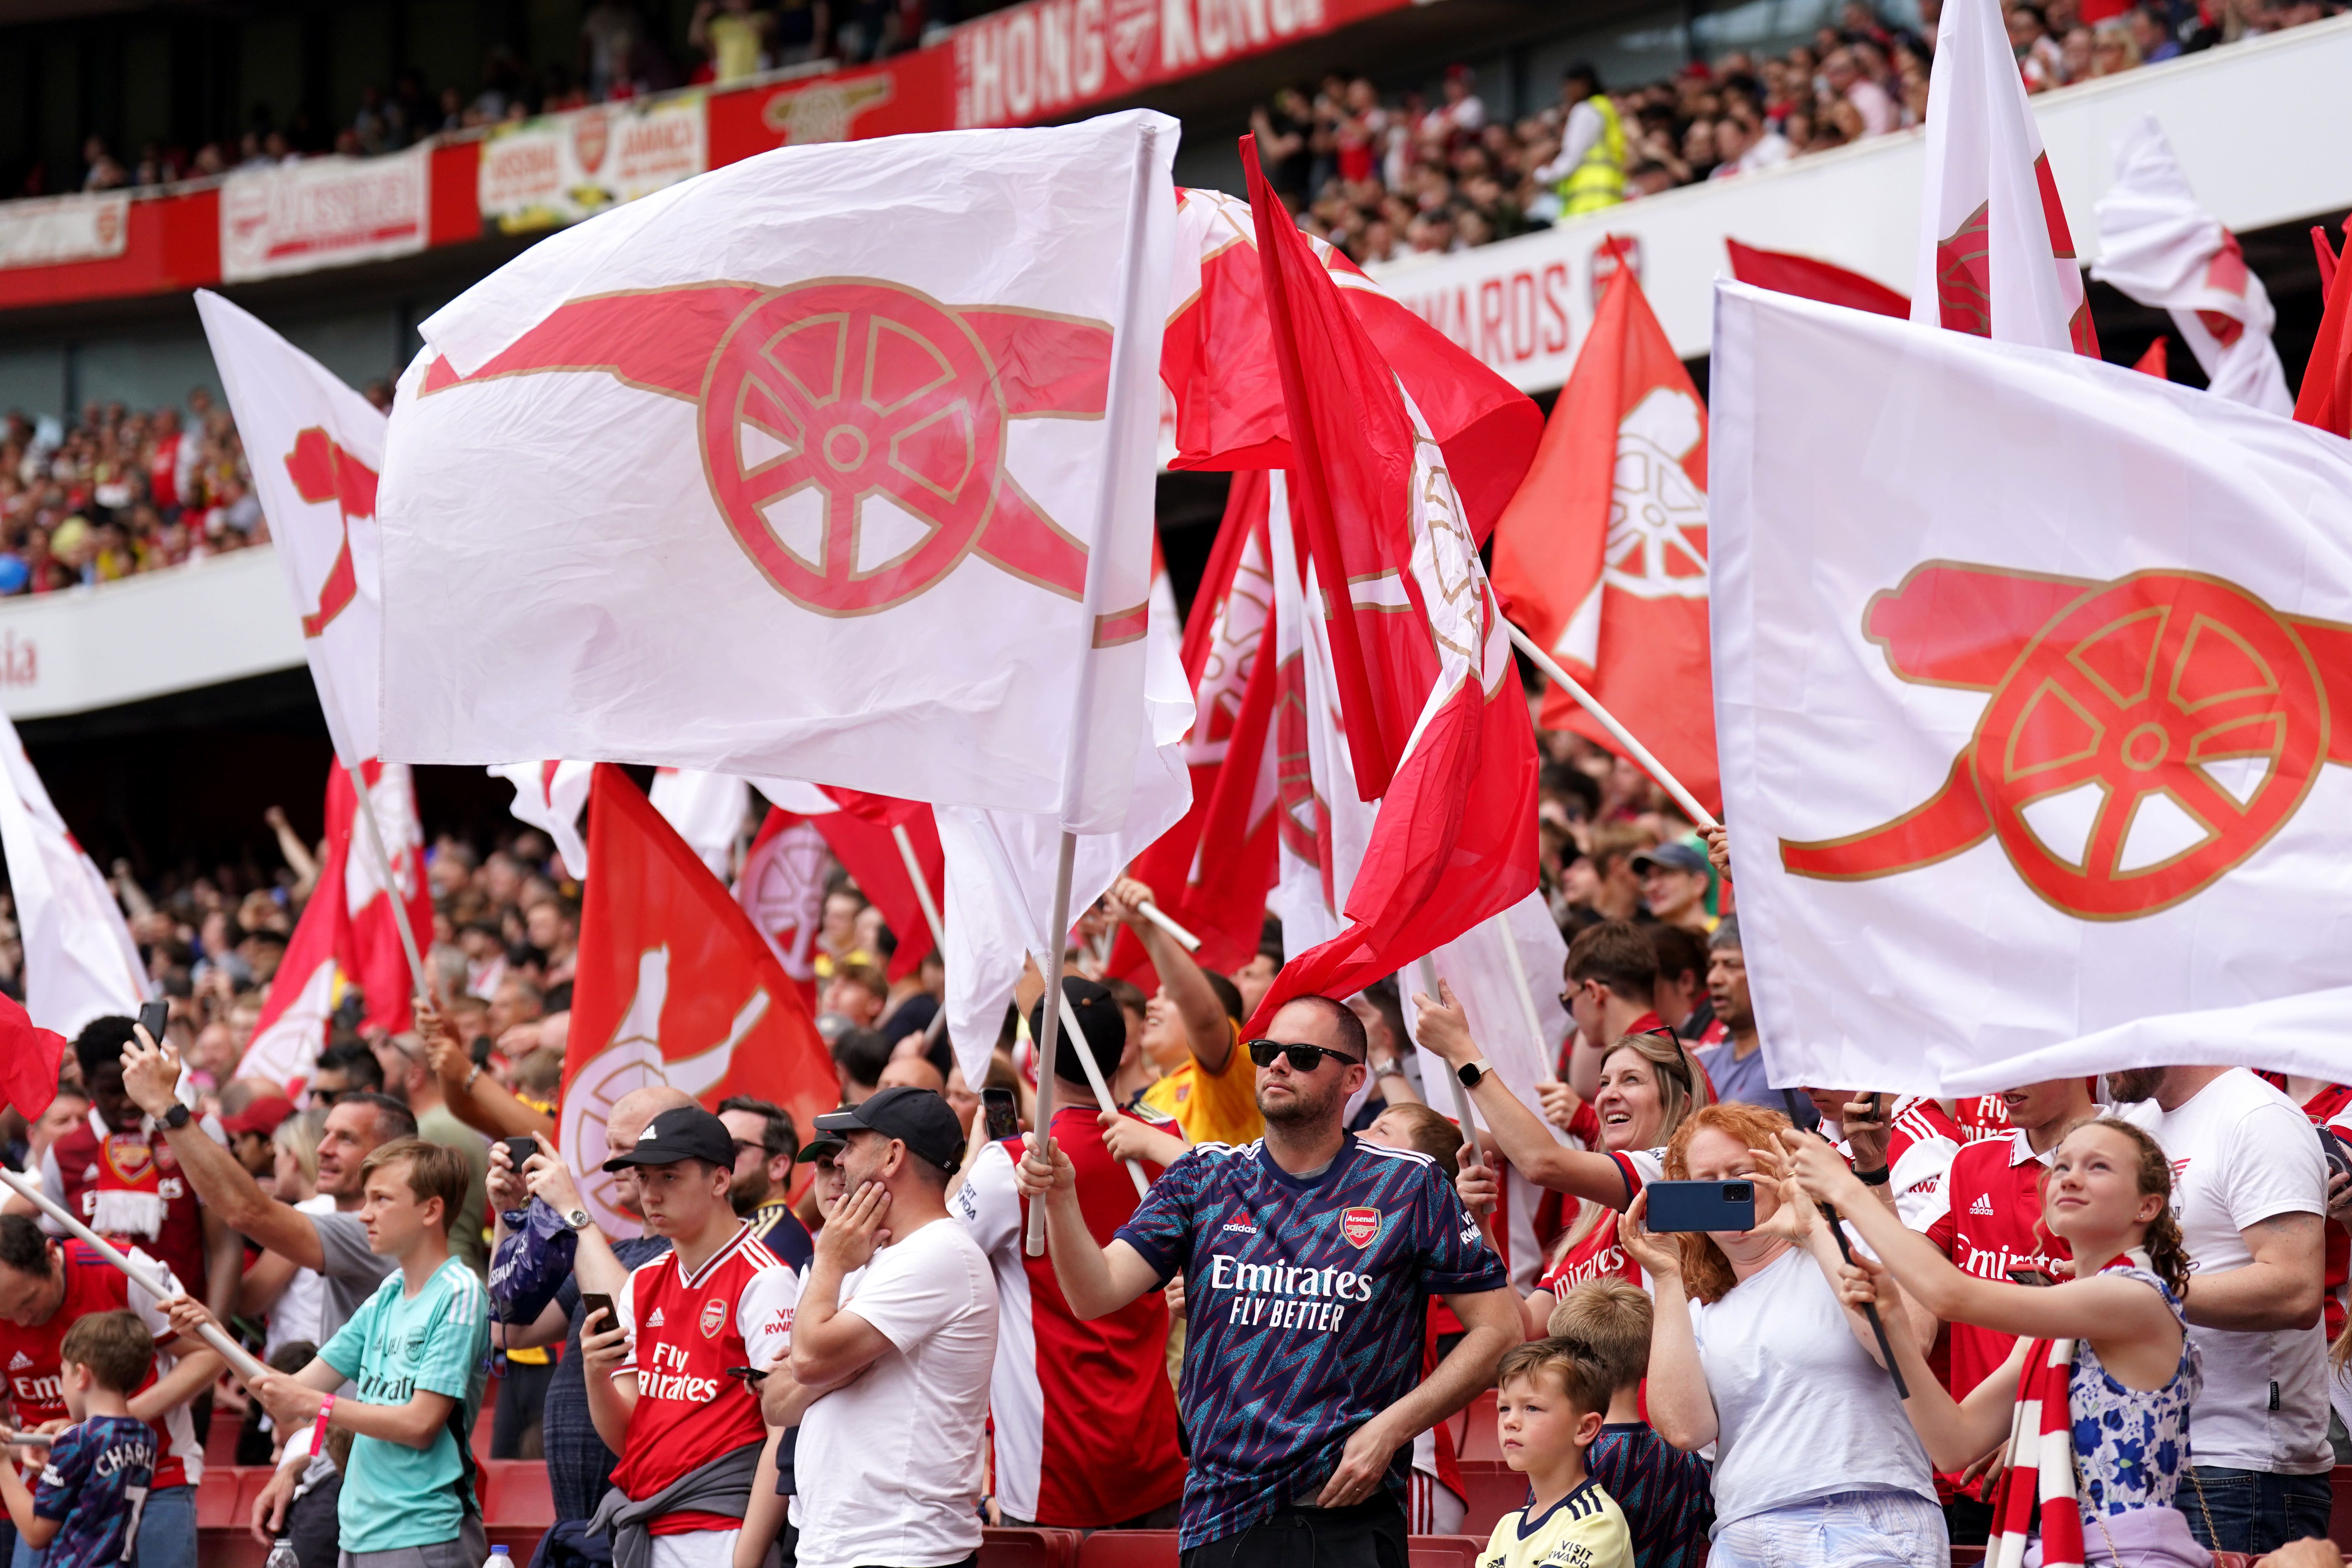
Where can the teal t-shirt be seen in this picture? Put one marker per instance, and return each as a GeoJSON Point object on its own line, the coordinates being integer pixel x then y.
{"type": "Point", "coordinates": [439, 1341]}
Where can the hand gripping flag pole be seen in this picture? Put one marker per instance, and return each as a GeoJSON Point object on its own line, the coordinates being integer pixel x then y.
{"type": "Point", "coordinates": [1048, 1037]}
{"type": "Point", "coordinates": [1869, 1309]}
{"type": "Point", "coordinates": [1634, 748]}
{"type": "Point", "coordinates": [1462, 1115]}
{"type": "Point", "coordinates": [237, 1357]}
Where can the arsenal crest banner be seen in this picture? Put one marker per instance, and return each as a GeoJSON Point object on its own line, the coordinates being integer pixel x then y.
{"type": "Point", "coordinates": [2030, 675]}
{"type": "Point", "coordinates": [675, 986]}
{"type": "Point", "coordinates": [835, 464]}
{"type": "Point", "coordinates": [316, 447]}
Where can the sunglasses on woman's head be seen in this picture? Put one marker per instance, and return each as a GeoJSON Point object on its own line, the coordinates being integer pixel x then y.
{"type": "Point", "coordinates": [1303, 1059]}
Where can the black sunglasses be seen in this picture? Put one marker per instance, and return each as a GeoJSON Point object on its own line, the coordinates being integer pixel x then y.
{"type": "Point", "coordinates": [1303, 1059]}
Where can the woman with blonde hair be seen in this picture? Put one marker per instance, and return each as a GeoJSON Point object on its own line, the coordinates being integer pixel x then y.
{"type": "Point", "coordinates": [2096, 1398]}
{"type": "Point", "coordinates": [1752, 1350]}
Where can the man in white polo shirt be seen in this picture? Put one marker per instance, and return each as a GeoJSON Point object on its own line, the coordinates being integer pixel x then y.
{"type": "Point", "coordinates": [2249, 1187]}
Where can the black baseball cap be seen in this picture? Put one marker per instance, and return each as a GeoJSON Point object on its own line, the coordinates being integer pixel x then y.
{"type": "Point", "coordinates": [1674, 856]}
{"type": "Point", "coordinates": [919, 1118]}
{"type": "Point", "coordinates": [681, 1132]}
{"type": "Point", "coordinates": [1100, 1014]}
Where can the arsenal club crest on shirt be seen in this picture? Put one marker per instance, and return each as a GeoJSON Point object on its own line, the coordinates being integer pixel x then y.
{"type": "Point", "coordinates": [130, 1154]}
{"type": "Point", "coordinates": [714, 1317]}
{"type": "Point", "coordinates": [1361, 1226]}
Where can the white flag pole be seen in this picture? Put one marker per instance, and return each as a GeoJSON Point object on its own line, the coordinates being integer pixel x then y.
{"type": "Point", "coordinates": [1634, 748]}
{"type": "Point", "coordinates": [906, 844]}
{"type": "Point", "coordinates": [1102, 1091]}
{"type": "Point", "coordinates": [375, 835]}
{"type": "Point", "coordinates": [247, 1368]}
{"type": "Point", "coordinates": [1050, 1036]}
{"type": "Point", "coordinates": [1151, 913]}
{"type": "Point", "coordinates": [1544, 1071]}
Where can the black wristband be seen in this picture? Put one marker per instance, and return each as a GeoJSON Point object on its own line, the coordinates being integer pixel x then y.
{"type": "Point", "coordinates": [1872, 1178]}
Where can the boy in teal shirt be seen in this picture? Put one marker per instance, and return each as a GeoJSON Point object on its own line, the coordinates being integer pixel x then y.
{"type": "Point", "coordinates": [417, 1352]}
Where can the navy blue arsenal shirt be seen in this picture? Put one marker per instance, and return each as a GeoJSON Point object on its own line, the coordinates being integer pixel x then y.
{"type": "Point", "coordinates": [1306, 1302]}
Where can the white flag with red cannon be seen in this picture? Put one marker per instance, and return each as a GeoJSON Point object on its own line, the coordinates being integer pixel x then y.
{"type": "Point", "coordinates": [2034, 701]}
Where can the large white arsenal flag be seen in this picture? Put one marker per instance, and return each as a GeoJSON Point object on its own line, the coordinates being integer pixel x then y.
{"type": "Point", "coordinates": [2033, 683]}
{"type": "Point", "coordinates": [833, 464]}
{"type": "Point", "coordinates": [316, 447]}
{"type": "Point", "coordinates": [80, 960]}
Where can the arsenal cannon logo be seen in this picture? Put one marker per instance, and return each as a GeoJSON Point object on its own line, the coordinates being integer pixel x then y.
{"type": "Point", "coordinates": [2144, 736]}
{"type": "Point", "coordinates": [853, 431]}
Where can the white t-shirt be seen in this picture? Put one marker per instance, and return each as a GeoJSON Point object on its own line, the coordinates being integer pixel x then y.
{"type": "Point", "coordinates": [1800, 1411]}
{"type": "Point", "coordinates": [296, 1315]}
{"type": "Point", "coordinates": [2243, 1152]}
{"type": "Point", "coordinates": [890, 1467]}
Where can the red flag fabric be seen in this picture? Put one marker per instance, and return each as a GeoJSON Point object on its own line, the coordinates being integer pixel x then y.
{"type": "Point", "coordinates": [2326, 255]}
{"type": "Point", "coordinates": [347, 934]}
{"type": "Point", "coordinates": [862, 830]}
{"type": "Point", "coordinates": [1811, 279]}
{"type": "Point", "coordinates": [1211, 871]}
{"type": "Point", "coordinates": [674, 985]}
{"type": "Point", "coordinates": [1217, 364]}
{"type": "Point", "coordinates": [1601, 556]}
{"type": "Point", "coordinates": [2326, 399]}
{"type": "Point", "coordinates": [29, 1057]}
{"type": "Point", "coordinates": [1435, 720]}
{"type": "Point", "coordinates": [2157, 362]}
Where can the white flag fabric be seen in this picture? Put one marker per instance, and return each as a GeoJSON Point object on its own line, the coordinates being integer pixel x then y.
{"type": "Point", "coordinates": [999, 865]}
{"type": "Point", "coordinates": [834, 463]}
{"type": "Point", "coordinates": [550, 796]}
{"type": "Point", "coordinates": [315, 448]}
{"type": "Point", "coordinates": [2031, 677]}
{"type": "Point", "coordinates": [1478, 968]}
{"type": "Point", "coordinates": [708, 810]}
{"type": "Point", "coordinates": [2157, 245]}
{"type": "Point", "coordinates": [80, 960]}
{"type": "Point", "coordinates": [1995, 255]}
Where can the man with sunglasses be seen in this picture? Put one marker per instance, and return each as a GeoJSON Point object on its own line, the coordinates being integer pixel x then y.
{"type": "Point", "coordinates": [1308, 1258]}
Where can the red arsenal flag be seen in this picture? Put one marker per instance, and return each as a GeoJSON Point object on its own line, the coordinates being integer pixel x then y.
{"type": "Point", "coordinates": [1218, 363]}
{"type": "Point", "coordinates": [862, 830]}
{"type": "Point", "coordinates": [28, 1060]}
{"type": "Point", "coordinates": [1808, 279]}
{"type": "Point", "coordinates": [347, 934]}
{"type": "Point", "coordinates": [2326, 399]}
{"type": "Point", "coordinates": [1601, 556]}
{"type": "Point", "coordinates": [676, 986]}
{"type": "Point", "coordinates": [1212, 870]}
{"type": "Point", "coordinates": [1434, 720]}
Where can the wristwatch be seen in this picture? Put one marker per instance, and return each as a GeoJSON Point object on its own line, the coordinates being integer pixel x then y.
{"type": "Point", "coordinates": [177, 1117]}
{"type": "Point", "coordinates": [579, 1219]}
{"type": "Point", "coordinates": [1473, 1073]}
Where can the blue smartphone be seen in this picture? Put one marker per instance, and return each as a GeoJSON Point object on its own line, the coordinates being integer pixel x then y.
{"type": "Point", "coordinates": [1701, 1205]}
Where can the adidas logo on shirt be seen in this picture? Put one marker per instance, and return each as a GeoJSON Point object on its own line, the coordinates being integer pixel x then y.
{"type": "Point", "coordinates": [655, 1321]}
{"type": "Point", "coordinates": [1983, 1204]}
{"type": "Point", "coordinates": [19, 1362]}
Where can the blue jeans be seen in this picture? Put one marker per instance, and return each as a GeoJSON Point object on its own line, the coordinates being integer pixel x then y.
{"type": "Point", "coordinates": [167, 1532]}
{"type": "Point", "coordinates": [2254, 1510]}
{"type": "Point", "coordinates": [1876, 1529]}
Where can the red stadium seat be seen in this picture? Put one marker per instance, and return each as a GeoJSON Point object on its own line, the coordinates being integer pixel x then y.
{"type": "Point", "coordinates": [251, 1481]}
{"type": "Point", "coordinates": [1492, 1489]}
{"type": "Point", "coordinates": [1967, 1556]}
{"type": "Point", "coordinates": [2339, 1521]}
{"type": "Point", "coordinates": [216, 1498]}
{"type": "Point", "coordinates": [1028, 1548]}
{"type": "Point", "coordinates": [220, 1438]}
{"type": "Point", "coordinates": [1474, 1436]}
{"type": "Point", "coordinates": [515, 1495]}
{"type": "Point", "coordinates": [1128, 1549]}
{"type": "Point", "coordinates": [231, 1549]}
{"type": "Point", "coordinates": [1446, 1551]}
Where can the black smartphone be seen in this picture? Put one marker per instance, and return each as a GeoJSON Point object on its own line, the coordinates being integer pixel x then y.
{"type": "Point", "coordinates": [520, 1149]}
{"type": "Point", "coordinates": [2030, 1276]}
{"type": "Point", "coordinates": [1003, 1113]}
{"type": "Point", "coordinates": [593, 1303]}
{"type": "Point", "coordinates": [1701, 1205]}
{"type": "Point", "coordinates": [153, 1015]}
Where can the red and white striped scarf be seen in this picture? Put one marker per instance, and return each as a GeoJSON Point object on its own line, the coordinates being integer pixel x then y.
{"type": "Point", "coordinates": [2040, 1473]}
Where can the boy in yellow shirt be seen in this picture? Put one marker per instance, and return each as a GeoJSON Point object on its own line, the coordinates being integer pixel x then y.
{"type": "Point", "coordinates": [1552, 1399]}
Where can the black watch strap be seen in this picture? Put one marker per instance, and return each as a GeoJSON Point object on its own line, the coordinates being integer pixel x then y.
{"type": "Point", "coordinates": [1872, 1178]}
{"type": "Point", "coordinates": [177, 1117]}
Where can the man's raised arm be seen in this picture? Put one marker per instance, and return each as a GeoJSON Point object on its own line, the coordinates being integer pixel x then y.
{"type": "Point", "coordinates": [150, 1076]}
{"type": "Point", "coordinates": [1206, 1029]}
{"type": "Point", "coordinates": [1095, 1281]}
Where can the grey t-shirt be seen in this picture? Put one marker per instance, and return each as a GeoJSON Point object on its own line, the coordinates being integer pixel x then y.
{"type": "Point", "coordinates": [348, 1269]}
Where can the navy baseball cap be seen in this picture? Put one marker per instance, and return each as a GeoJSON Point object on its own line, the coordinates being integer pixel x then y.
{"type": "Point", "coordinates": [1676, 856]}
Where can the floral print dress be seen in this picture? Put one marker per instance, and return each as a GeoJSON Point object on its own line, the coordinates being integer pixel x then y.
{"type": "Point", "coordinates": [2131, 1446]}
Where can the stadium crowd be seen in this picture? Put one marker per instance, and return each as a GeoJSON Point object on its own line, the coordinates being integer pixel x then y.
{"type": "Point", "coordinates": [1423, 174]}
{"type": "Point", "coordinates": [825, 1344]}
